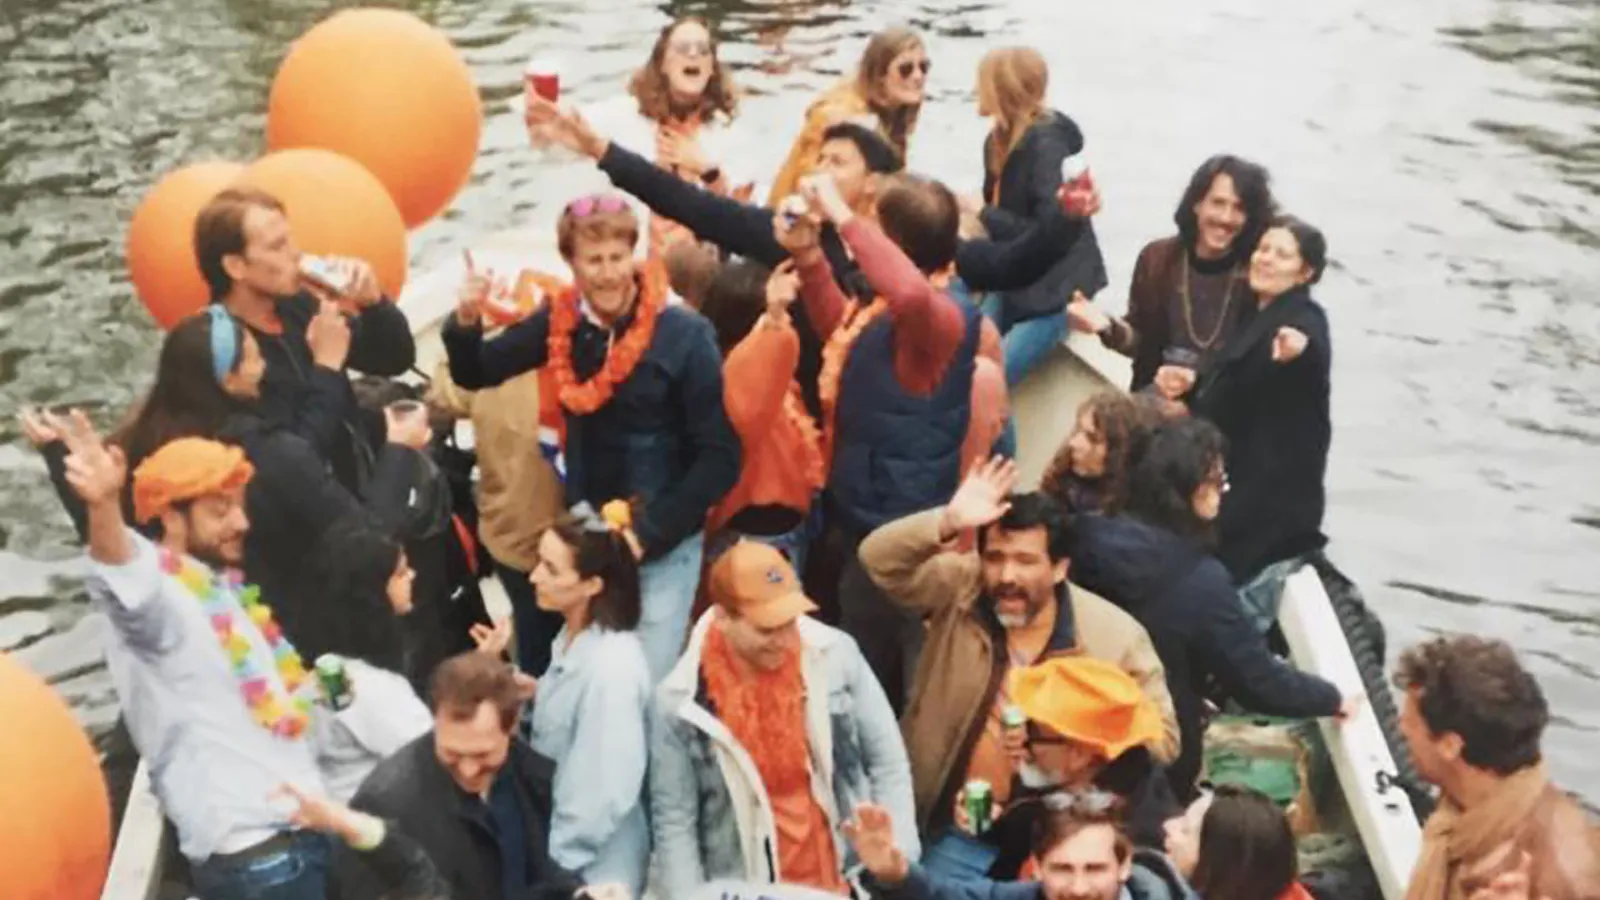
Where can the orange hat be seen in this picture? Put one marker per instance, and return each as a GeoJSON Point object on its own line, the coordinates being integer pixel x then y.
{"type": "Point", "coordinates": [183, 470]}
{"type": "Point", "coordinates": [1087, 700]}
{"type": "Point", "coordinates": [754, 581]}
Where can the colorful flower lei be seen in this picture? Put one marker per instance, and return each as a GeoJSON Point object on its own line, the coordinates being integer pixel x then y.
{"type": "Point", "coordinates": [585, 397]}
{"type": "Point", "coordinates": [284, 717]}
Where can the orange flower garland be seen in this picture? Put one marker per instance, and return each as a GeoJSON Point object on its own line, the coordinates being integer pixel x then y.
{"type": "Point", "coordinates": [834, 354]}
{"type": "Point", "coordinates": [583, 398]}
{"type": "Point", "coordinates": [794, 409]}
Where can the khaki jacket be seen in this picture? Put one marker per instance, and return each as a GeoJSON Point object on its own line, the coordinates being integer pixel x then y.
{"type": "Point", "coordinates": [959, 672]}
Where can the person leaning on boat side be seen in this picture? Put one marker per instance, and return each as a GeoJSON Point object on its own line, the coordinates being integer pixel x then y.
{"type": "Point", "coordinates": [1080, 852]}
{"type": "Point", "coordinates": [769, 730]}
{"type": "Point", "coordinates": [1005, 606]}
{"type": "Point", "coordinates": [1153, 561]}
{"type": "Point", "coordinates": [249, 259]}
{"type": "Point", "coordinates": [640, 385]}
{"type": "Point", "coordinates": [1190, 292]}
{"type": "Point", "coordinates": [1089, 473]}
{"type": "Point", "coordinates": [682, 103]}
{"type": "Point", "coordinates": [470, 793]}
{"type": "Point", "coordinates": [885, 95]}
{"type": "Point", "coordinates": [858, 160]}
{"type": "Point", "coordinates": [1090, 727]}
{"type": "Point", "coordinates": [1472, 718]}
{"type": "Point", "coordinates": [209, 377]}
{"type": "Point", "coordinates": [1268, 392]}
{"type": "Point", "coordinates": [1022, 156]}
{"type": "Point", "coordinates": [214, 698]}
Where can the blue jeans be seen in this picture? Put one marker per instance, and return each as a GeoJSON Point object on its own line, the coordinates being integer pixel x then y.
{"type": "Point", "coordinates": [666, 590]}
{"type": "Point", "coordinates": [1263, 594]}
{"type": "Point", "coordinates": [298, 871]}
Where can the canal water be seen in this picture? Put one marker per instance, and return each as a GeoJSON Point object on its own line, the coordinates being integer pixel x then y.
{"type": "Point", "coordinates": [1450, 150]}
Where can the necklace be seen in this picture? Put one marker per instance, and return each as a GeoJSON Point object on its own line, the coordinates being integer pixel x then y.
{"type": "Point", "coordinates": [1188, 306]}
{"type": "Point", "coordinates": [222, 597]}
{"type": "Point", "coordinates": [622, 356]}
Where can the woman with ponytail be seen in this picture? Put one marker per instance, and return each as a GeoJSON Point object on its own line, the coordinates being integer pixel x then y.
{"type": "Point", "coordinates": [590, 708]}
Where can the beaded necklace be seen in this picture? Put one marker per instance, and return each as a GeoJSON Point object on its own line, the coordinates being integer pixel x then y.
{"type": "Point", "coordinates": [221, 597]}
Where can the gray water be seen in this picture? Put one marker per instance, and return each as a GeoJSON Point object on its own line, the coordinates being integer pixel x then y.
{"type": "Point", "coordinates": [1451, 151]}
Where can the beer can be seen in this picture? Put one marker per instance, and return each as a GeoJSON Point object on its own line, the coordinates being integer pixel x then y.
{"type": "Point", "coordinates": [978, 797]}
{"type": "Point", "coordinates": [1013, 717]}
{"type": "Point", "coordinates": [335, 683]}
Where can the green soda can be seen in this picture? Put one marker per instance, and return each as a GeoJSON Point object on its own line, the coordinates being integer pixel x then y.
{"type": "Point", "coordinates": [978, 798]}
{"type": "Point", "coordinates": [335, 683]}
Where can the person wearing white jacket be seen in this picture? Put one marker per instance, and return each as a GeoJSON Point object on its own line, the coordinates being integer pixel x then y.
{"type": "Point", "coordinates": [769, 731]}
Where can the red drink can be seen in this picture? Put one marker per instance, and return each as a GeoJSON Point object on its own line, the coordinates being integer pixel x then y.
{"type": "Point", "coordinates": [1076, 184]}
{"type": "Point", "coordinates": [542, 78]}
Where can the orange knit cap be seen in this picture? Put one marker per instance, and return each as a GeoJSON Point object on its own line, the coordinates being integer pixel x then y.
{"type": "Point", "coordinates": [185, 469]}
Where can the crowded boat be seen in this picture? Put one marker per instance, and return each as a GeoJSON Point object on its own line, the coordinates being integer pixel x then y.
{"type": "Point", "coordinates": [783, 534]}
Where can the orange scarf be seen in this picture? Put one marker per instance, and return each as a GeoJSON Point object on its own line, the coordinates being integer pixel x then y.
{"type": "Point", "coordinates": [583, 398]}
{"type": "Point", "coordinates": [834, 355]}
{"type": "Point", "coordinates": [765, 711]}
{"type": "Point", "coordinates": [794, 409]}
{"type": "Point", "coordinates": [184, 469]}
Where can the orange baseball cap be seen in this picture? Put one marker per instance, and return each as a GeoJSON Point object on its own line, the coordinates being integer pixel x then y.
{"type": "Point", "coordinates": [755, 582]}
{"type": "Point", "coordinates": [1087, 700]}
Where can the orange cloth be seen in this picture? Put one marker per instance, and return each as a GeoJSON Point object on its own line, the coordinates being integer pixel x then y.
{"type": "Point", "coordinates": [1090, 701]}
{"type": "Point", "coordinates": [663, 231]}
{"type": "Point", "coordinates": [806, 853]}
{"type": "Point", "coordinates": [989, 760]}
{"type": "Point", "coordinates": [783, 464]}
{"type": "Point", "coordinates": [1295, 891]}
{"type": "Point", "coordinates": [839, 103]}
{"type": "Point", "coordinates": [186, 469]}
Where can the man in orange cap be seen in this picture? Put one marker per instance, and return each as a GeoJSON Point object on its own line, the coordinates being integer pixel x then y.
{"type": "Point", "coordinates": [768, 732]}
{"type": "Point", "coordinates": [215, 699]}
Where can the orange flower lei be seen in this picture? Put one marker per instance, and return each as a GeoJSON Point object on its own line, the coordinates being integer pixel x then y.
{"type": "Point", "coordinates": [834, 354]}
{"type": "Point", "coordinates": [794, 409]}
{"type": "Point", "coordinates": [582, 398]}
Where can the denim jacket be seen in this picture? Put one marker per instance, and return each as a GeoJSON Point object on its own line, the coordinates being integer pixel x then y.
{"type": "Point", "coordinates": [709, 810]}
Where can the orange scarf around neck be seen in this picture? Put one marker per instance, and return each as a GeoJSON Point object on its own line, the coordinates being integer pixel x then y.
{"type": "Point", "coordinates": [765, 710]}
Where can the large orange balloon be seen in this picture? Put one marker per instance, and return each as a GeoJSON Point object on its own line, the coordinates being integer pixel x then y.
{"type": "Point", "coordinates": [336, 207]}
{"type": "Point", "coordinates": [160, 243]}
{"type": "Point", "coordinates": [388, 90]}
{"type": "Point", "coordinates": [55, 817]}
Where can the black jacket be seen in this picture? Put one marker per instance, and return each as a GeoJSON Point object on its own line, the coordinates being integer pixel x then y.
{"type": "Point", "coordinates": [1023, 193]}
{"type": "Point", "coordinates": [414, 793]}
{"type": "Point", "coordinates": [663, 439]}
{"type": "Point", "coordinates": [1186, 601]}
{"type": "Point", "coordinates": [745, 229]}
{"type": "Point", "coordinates": [319, 403]}
{"type": "Point", "coordinates": [1275, 417]}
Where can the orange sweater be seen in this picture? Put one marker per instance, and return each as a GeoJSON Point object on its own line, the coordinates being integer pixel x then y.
{"type": "Point", "coordinates": [783, 463]}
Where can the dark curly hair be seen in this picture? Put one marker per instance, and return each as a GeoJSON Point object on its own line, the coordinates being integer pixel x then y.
{"type": "Point", "coordinates": [1181, 455]}
{"type": "Point", "coordinates": [649, 83]}
{"type": "Point", "coordinates": [1475, 687]}
{"type": "Point", "coordinates": [348, 610]}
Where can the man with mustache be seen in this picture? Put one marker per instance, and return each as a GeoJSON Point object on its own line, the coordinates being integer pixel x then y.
{"type": "Point", "coordinates": [1007, 606]}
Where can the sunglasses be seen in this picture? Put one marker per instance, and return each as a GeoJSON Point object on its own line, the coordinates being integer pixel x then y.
{"type": "Point", "coordinates": [1037, 738]}
{"type": "Point", "coordinates": [1090, 801]}
{"type": "Point", "coordinates": [584, 207]}
{"type": "Point", "coordinates": [909, 67]}
{"type": "Point", "coordinates": [691, 48]}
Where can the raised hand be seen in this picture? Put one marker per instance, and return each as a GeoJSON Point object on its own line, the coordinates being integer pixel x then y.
{"type": "Point", "coordinates": [871, 833]}
{"type": "Point", "coordinates": [1084, 316]}
{"type": "Point", "coordinates": [328, 336]}
{"type": "Point", "coordinates": [35, 428]}
{"type": "Point", "coordinates": [783, 286]}
{"type": "Point", "coordinates": [96, 471]}
{"type": "Point", "coordinates": [982, 498]}
{"type": "Point", "coordinates": [473, 293]}
{"type": "Point", "coordinates": [361, 284]}
{"type": "Point", "coordinates": [547, 121]}
{"type": "Point", "coordinates": [1288, 344]}
{"type": "Point", "coordinates": [821, 193]}
{"type": "Point", "coordinates": [797, 227]}
{"type": "Point", "coordinates": [492, 639]}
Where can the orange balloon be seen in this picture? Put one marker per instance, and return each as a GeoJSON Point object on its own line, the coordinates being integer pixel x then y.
{"type": "Point", "coordinates": [55, 817]}
{"type": "Point", "coordinates": [389, 91]}
{"type": "Point", "coordinates": [337, 208]}
{"type": "Point", "coordinates": [160, 246]}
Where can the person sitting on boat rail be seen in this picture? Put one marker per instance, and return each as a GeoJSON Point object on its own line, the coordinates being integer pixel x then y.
{"type": "Point", "coordinates": [1153, 560]}
{"type": "Point", "coordinates": [640, 385]}
{"type": "Point", "coordinates": [1087, 725]}
{"type": "Point", "coordinates": [308, 336]}
{"type": "Point", "coordinates": [216, 699]}
{"type": "Point", "coordinates": [1190, 291]}
{"type": "Point", "coordinates": [1079, 851]}
{"type": "Point", "coordinates": [769, 730]}
{"type": "Point", "coordinates": [1472, 718]}
{"type": "Point", "coordinates": [1005, 606]}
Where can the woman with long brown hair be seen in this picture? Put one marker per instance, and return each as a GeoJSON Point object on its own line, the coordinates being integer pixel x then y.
{"type": "Point", "coordinates": [1089, 473]}
{"type": "Point", "coordinates": [886, 93]}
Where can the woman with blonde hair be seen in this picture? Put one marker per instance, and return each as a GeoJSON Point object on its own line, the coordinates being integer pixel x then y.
{"type": "Point", "coordinates": [886, 94]}
{"type": "Point", "coordinates": [1022, 157]}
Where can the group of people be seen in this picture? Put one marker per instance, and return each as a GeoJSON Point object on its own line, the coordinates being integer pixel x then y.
{"type": "Point", "coordinates": [781, 612]}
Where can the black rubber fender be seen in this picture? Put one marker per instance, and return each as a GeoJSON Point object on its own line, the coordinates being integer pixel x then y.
{"type": "Point", "coordinates": [1363, 631]}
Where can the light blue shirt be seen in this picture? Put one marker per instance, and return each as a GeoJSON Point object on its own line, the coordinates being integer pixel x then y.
{"type": "Point", "coordinates": [211, 766]}
{"type": "Point", "coordinates": [590, 717]}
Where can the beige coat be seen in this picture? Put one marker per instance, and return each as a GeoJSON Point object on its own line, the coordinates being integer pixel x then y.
{"type": "Point", "coordinates": [959, 672]}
